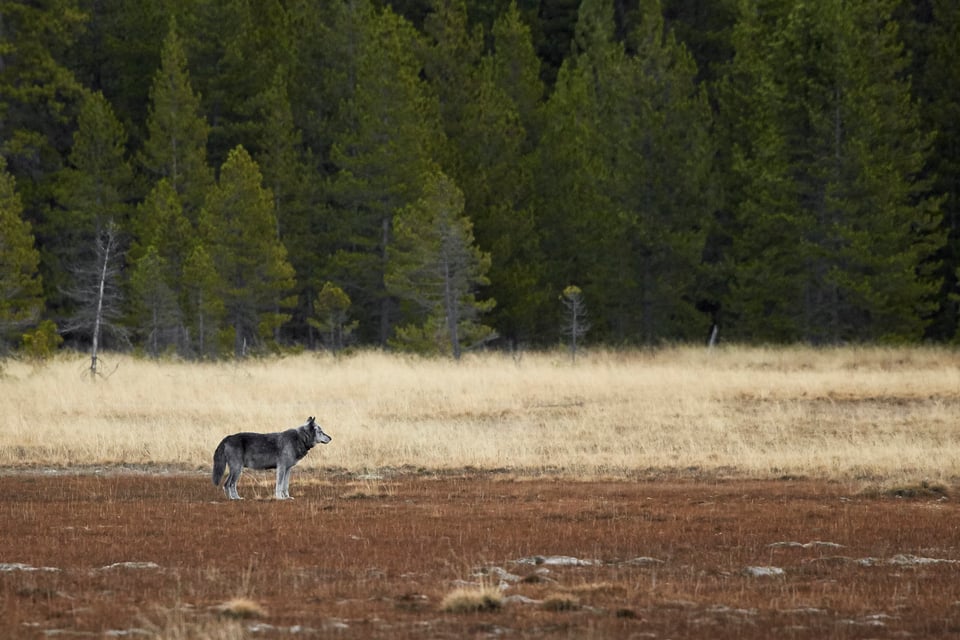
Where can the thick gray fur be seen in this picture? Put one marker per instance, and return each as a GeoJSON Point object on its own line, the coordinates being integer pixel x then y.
{"type": "Point", "coordinates": [278, 451]}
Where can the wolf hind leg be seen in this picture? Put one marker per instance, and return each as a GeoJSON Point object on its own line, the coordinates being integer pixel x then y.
{"type": "Point", "coordinates": [230, 486]}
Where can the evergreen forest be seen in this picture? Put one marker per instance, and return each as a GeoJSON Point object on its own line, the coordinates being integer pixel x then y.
{"type": "Point", "coordinates": [216, 178]}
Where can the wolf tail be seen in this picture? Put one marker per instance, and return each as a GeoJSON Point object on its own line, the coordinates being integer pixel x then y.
{"type": "Point", "coordinates": [219, 463]}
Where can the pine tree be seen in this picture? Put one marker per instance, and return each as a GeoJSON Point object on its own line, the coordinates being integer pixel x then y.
{"type": "Point", "coordinates": [656, 127]}
{"type": "Point", "coordinates": [39, 97]}
{"type": "Point", "coordinates": [766, 240]}
{"type": "Point", "coordinates": [575, 323]}
{"type": "Point", "coordinates": [159, 226]}
{"type": "Point", "coordinates": [21, 291]}
{"type": "Point", "coordinates": [516, 71]}
{"type": "Point", "coordinates": [494, 148]}
{"type": "Point", "coordinates": [156, 313]}
{"type": "Point", "coordinates": [204, 308]}
{"type": "Point", "coordinates": [288, 173]}
{"type": "Point", "coordinates": [175, 147]}
{"type": "Point", "coordinates": [381, 154]}
{"type": "Point", "coordinates": [934, 48]}
{"type": "Point", "coordinates": [451, 60]}
{"type": "Point", "coordinates": [625, 167]}
{"type": "Point", "coordinates": [238, 227]}
{"type": "Point", "coordinates": [332, 308]}
{"type": "Point", "coordinates": [435, 264]}
{"type": "Point", "coordinates": [829, 166]}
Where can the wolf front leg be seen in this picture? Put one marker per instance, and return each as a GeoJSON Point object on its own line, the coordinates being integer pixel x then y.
{"type": "Point", "coordinates": [283, 480]}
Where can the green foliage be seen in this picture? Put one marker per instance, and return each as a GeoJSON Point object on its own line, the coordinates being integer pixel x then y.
{"type": "Point", "coordinates": [204, 308]}
{"type": "Point", "coordinates": [41, 343]}
{"type": "Point", "coordinates": [175, 148]}
{"type": "Point", "coordinates": [156, 313]}
{"type": "Point", "coordinates": [834, 231]}
{"type": "Point", "coordinates": [332, 309]}
{"type": "Point", "coordinates": [93, 192]}
{"type": "Point", "coordinates": [798, 183]}
{"type": "Point", "coordinates": [388, 144]}
{"type": "Point", "coordinates": [434, 264]}
{"type": "Point", "coordinates": [21, 290]}
{"type": "Point", "coordinates": [238, 227]}
{"type": "Point", "coordinates": [628, 137]}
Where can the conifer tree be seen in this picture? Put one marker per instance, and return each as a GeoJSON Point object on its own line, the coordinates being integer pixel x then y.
{"type": "Point", "coordinates": [21, 291]}
{"type": "Point", "coordinates": [386, 146]}
{"type": "Point", "coordinates": [434, 264]}
{"type": "Point", "coordinates": [39, 98]}
{"type": "Point", "coordinates": [289, 173]}
{"type": "Point", "coordinates": [332, 317]}
{"type": "Point", "coordinates": [830, 172]}
{"type": "Point", "coordinates": [625, 167]}
{"type": "Point", "coordinates": [156, 314]}
{"type": "Point", "coordinates": [451, 60]}
{"type": "Point", "coordinates": [494, 170]}
{"type": "Point", "coordinates": [765, 230]}
{"type": "Point", "coordinates": [204, 308]}
{"type": "Point", "coordinates": [516, 71]}
{"type": "Point", "coordinates": [238, 228]}
{"type": "Point", "coordinates": [177, 132]}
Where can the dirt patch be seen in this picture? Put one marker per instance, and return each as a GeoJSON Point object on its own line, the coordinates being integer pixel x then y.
{"type": "Point", "coordinates": [131, 555]}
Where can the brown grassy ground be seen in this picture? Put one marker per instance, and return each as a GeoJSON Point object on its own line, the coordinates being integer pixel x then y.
{"type": "Point", "coordinates": [166, 556]}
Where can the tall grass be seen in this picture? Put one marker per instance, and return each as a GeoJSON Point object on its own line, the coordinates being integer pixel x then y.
{"type": "Point", "coordinates": [852, 412]}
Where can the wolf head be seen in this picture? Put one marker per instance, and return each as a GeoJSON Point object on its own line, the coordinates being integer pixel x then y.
{"type": "Point", "coordinates": [317, 434]}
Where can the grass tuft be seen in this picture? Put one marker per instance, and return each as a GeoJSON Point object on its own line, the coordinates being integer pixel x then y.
{"type": "Point", "coordinates": [241, 609]}
{"type": "Point", "coordinates": [924, 489]}
{"type": "Point", "coordinates": [561, 602]}
{"type": "Point", "coordinates": [472, 600]}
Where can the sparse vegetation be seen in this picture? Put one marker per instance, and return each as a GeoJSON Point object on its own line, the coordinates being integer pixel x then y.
{"type": "Point", "coordinates": [561, 602]}
{"type": "Point", "coordinates": [155, 555]}
{"type": "Point", "coordinates": [472, 599]}
{"type": "Point", "coordinates": [241, 609]}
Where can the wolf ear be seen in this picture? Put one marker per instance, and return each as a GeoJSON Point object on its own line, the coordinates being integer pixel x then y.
{"type": "Point", "coordinates": [310, 420]}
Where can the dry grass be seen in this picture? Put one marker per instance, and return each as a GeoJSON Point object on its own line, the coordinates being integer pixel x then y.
{"type": "Point", "coordinates": [471, 600]}
{"type": "Point", "coordinates": [240, 609]}
{"type": "Point", "coordinates": [873, 413]}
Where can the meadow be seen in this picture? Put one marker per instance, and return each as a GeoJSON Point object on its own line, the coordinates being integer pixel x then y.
{"type": "Point", "coordinates": [872, 413]}
{"type": "Point", "coordinates": [680, 492]}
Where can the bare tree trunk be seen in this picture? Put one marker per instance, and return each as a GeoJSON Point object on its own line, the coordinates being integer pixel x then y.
{"type": "Point", "coordinates": [98, 317]}
{"type": "Point", "coordinates": [452, 310]}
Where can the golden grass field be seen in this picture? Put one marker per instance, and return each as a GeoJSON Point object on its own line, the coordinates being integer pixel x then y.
{"type": "Point", "coordinates": [873, 414]}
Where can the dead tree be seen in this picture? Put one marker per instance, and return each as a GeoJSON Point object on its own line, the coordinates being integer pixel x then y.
{"type": "Point", "coordinates": [575, 324]}
{"type": "Point", "coordinates": [97, 294]}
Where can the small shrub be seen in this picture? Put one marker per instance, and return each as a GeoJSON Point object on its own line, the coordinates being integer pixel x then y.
{"type": "Point", "coordinates": [561, 602]}
{"type": "Point", "coordinates": [472, 599]}
{"type": "Point", "coordinates": [925, 489]}
{"type": "Point", "coordinates": [41, 343]}
{"type": "Point", "coordinates": [241, 609]}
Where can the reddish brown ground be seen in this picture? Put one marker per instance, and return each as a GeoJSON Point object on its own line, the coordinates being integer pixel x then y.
{"type": "Point", "coordinates": [374, 559]}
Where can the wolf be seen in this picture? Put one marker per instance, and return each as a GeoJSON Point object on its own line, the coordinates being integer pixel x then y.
{"type": "Point", "coordinates": [278, 451]}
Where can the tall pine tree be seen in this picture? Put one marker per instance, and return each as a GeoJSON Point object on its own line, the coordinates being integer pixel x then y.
{"type": "Point", "coordinates": [388, 143]}
{"type": "Point", "coordinates": [177, 132]}
{"type": "Point", "coordinates": [238, 228]}
{"type": "Point", "coordinates": [21, 292]}
{"type": "Point", "coordinates": [829, 176]}
{"type": "Point", "coordinates": [434, 263]}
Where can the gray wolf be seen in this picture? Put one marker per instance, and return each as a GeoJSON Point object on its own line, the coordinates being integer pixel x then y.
{"type": "Point", "coordinates": [278, 451]}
